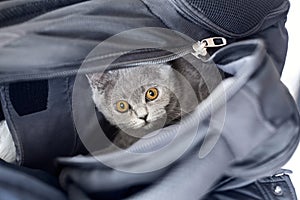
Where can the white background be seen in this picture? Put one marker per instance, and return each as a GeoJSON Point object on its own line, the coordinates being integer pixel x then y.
{"type": "Point", "coordinates": [291, 77]}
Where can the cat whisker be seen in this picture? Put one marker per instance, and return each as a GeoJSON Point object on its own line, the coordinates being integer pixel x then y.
{"type": "Point", "coordinates": [136, 124]}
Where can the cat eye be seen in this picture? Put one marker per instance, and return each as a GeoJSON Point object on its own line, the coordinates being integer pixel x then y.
{"type": "Point", "coordinates": [122, 106]}
{"type": "Point", "coordinates": [152, 94]}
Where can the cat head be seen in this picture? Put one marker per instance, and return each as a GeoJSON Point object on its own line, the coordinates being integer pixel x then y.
{"type": "Point", "coordinates": [138, 99]}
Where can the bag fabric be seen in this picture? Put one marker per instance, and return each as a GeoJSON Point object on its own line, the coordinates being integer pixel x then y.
{"type": "Point", "coordinates": [269, 188]}
{"type": "Point", "coordinates": [22, 183]}
{"type": "Point", "coordinates": [38, 77]}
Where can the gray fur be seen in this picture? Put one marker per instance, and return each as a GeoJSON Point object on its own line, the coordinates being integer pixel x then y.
{"type": "Point", "coordinates": [180, 87]}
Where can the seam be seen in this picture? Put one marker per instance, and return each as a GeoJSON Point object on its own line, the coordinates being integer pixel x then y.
{"type": "Point", "coordinates": [150, 10]}
{"type": "Point", "coordinates": [261, 190]}
{"type": "Point", "coordinates": [13, 130]}
{"type": "Point", "coordinates": [69, 95]}
{"type": "Point", "coordinates": [290, 186]}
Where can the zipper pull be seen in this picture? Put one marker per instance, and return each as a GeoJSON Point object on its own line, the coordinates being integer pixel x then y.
{"type": "Point", "coordinates": [200, 48]}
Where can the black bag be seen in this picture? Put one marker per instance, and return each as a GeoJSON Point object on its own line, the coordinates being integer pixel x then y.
{"type": "Point", "coordinates": [38, 78]}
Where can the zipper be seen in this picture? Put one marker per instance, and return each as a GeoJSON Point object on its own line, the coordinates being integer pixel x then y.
{"type": "Point", "coordinates": [198, 49]}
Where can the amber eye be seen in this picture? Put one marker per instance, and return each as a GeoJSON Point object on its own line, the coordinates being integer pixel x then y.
{"type": "Point", "coordinates": [122, 106]}
{"type": "Point", "coordinates": [152, 94]}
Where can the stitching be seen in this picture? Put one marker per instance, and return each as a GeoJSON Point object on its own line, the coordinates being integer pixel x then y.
{"type": "Point", "coordinates": [262, 191]}
{"type": "Point", "coordinates": [14, 130]}
{"type": "Point", "coordinates": [69, 96]}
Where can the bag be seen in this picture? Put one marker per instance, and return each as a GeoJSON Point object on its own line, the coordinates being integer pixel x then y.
{"type": "Point", "coordinates": [252, 141]}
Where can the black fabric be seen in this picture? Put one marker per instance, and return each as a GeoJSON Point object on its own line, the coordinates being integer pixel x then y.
{"type": "Point", "coordinates": [279, 32]}
{"type": "Point", "coordinates": [1, 112]}
{"type": "Point", "coordinates": [53, 134]}
{"type": "Point", "coordinates": [235, 16]}
{"type": "Point", "coordinates": [34, 96]}
{"type": "Point", "coordinates": [109, 130]}
{"type": "Point", "coordinates": [268, 28]}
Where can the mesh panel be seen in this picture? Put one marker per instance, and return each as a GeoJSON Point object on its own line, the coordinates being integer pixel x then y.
{"type": "Point", "coordinates": [29, 97]}
{"type": "Point", "coordinates": [237, 16]}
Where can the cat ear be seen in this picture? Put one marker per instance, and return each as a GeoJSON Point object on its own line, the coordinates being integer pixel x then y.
{"type": "Point", "coordinates": [94, 79]}
{"type": "Point", "coordinates": [100, 81]}
{"type": "Point", "coordinates": [89, 77]}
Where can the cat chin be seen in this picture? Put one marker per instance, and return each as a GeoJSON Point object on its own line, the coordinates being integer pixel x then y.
{"type": "Point", "coordinates": [148, 126]}
{"type": "Point", "coordinates": [141, 130]}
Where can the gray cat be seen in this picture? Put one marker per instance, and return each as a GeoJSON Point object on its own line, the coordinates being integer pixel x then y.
{"type": "Point", "coordinates": [139, 100]}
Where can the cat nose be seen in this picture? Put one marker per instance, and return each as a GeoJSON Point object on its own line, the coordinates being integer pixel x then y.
{"type": "Point", "coordinates": [144, 117]}
{"type": "Point", "coordinates": [141, 113]}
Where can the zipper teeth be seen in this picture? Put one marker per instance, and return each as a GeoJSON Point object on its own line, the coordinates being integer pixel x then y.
{"type": "Point", "coordinates": [164, 60]}
{"type": "Point", "coordinates": [202, 19]}
{"type": "Point", "coordinates": [50, 75]}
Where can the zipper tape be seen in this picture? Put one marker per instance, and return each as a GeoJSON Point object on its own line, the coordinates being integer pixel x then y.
{"type": "Point", "coordinates": [197, 49]}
